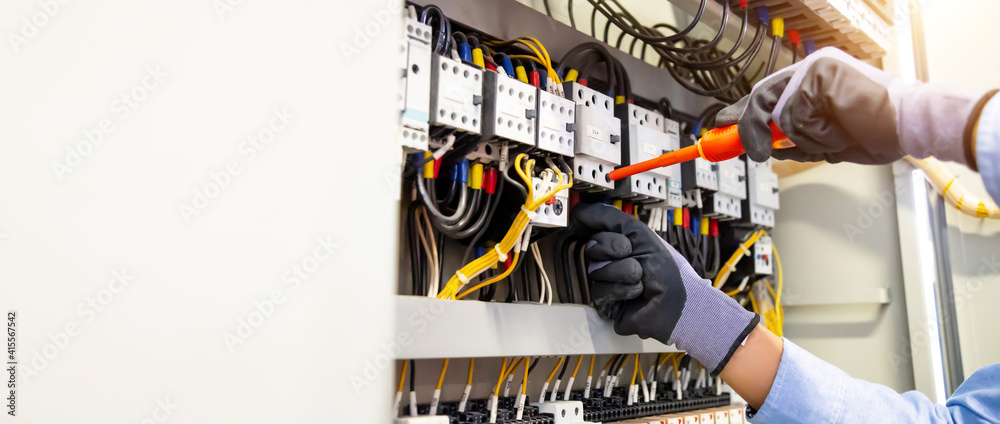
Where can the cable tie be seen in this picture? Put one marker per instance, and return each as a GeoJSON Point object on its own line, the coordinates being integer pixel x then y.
{"type": "Point", "coordinates": [461, 277]}
{"type": "Point", "coordinates": [531, 214]}
{"type": "Point", "coordinates": [500, 253]}
{"type": "Point", "coordinates": [746, 252]}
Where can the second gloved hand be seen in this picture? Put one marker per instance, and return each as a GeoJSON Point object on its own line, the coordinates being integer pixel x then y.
{"type": "Point", "coordinates": [648, 289]}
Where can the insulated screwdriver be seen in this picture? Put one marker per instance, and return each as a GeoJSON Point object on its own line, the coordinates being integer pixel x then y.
{"type": "Point", "coordinates": [715, 146]}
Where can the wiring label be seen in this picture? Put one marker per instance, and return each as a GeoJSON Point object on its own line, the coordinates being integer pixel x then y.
{"type": "Point", "coordinates": [595, 133]}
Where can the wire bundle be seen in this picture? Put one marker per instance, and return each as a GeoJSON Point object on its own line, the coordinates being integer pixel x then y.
{"type": "Point", "coordinates": [698, 65]}
{"type": "Point", "coordinates": [514, 235]}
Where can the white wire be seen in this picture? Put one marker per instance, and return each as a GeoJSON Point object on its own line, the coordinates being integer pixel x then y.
{"type": "Point", "coordinates": [431, 249]}
{"type": "Point", "coordinates": [541, 269]}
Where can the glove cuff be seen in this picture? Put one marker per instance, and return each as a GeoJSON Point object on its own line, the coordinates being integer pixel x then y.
{"type": "Point", "coordinates": [970, 130]}
{"type": "Point", "coordinates": [932, 119]}
{"type": "Point", "coordinates": [712, 326]}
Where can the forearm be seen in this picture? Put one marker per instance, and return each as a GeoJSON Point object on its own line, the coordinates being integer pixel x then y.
{"type": "Point", "coordinates": [751, 370]}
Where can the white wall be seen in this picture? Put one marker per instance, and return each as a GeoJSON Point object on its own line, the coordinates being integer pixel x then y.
{"type": "Point", "coordinates": [958, 35]}
{"type": "Point", "coordinates": [161, 339]}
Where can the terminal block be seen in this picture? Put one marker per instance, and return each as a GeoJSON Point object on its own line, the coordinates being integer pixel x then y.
{"type": "Point", "coordinates": [598, 135]}
{"type": "Point", "coordinates": [643, 139]}
{"type": "Point", "coordinates": [556, 124]}
{"type": "Point", "coordinates": [509, 109]}
{"type": "Point", "coordinates": [763, 257]}
{"type": "Point", "coordinates": [456, 95]}
{"type": "Point", "coordinates": [723, 207]}
{"type": "Point", "coordinates": [762, 194]}
{"type": "Point", "coordinates": [555, 212]}
{"type": "Point", "coordinates": [415, 86]}
{"type": "Point", "coordinates": [427, 419]}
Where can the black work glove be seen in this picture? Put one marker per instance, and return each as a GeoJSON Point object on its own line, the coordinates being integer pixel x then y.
{"type": "Point", "coordinates": [838, 109]}
{"type": "Point", "coordinates": [648, 289]}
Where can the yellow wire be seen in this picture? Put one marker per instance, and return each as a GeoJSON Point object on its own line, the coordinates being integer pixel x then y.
{"type": "Point", "coordinates": [492, 280]}
{"type": "Point", "coordinates": [496, 391]}
{"type": "Point", "coordinates": [641, 376]}
{"type": "Point", "coordinates": [635, 368]}
{"type": "Point", "coordinates": [402, 377]}
{"type": "Point", "coordinates": [612, 359]}
{"type": "Point", "coordinates": [554, 369]}
{"type": "Point", "coordinates": [590, 373]}
{"type": "Point", "coordinates": [444, 368]}
{"type": "Point", "coordinates": [524, 56]}
{"type": "Point", "coordinates": [721, 278]}
{"type": "Point", "coordinates": [781, 284]}
{"type": "Point", "coordinates": [472, 363]}
{"type": "Point", "coordinates": [577, 367]}
{"type": "Point", "coordinates": [524, 381]}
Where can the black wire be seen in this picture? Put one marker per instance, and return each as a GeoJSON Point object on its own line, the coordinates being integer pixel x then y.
{"type": "Point", "coordinates": [547, 10]}
{"type": "Point", "coordinates": [532, 367]}
{"type": "Point", "coordinates": [562, 372]}
{"type": "Point", "coordinates": [775, 49]}
{"type": "Point", "coordinates": [413, 384]}
{"type": "Point", "coordinates": [572, 19]}
{"type": "Point", "coordinates": [486, 225]}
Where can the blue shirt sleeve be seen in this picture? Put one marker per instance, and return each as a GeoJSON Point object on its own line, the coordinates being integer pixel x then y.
{"type": "Point", "coordinates": [988, 147]}
{"type": "Point", "coordinates": [810, 390]}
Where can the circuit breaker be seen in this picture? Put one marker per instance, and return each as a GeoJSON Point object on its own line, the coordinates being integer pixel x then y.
{"type": "Point", "coordinates": [763, 257]}
{"type": "Point", "coordinates": [598, 135]}
{"type": "Point", "coordinates": [509, 109]}
{"type": "Point", "coordinates": [762, 194]}
{"type": "Point", "coordinates": [556, 124]}
{"type": "Point", "coordinates": [456, 95]}
{"type": "Point", "coordinates": [727, 203]}
{"type": "Point", "coordinates": [555, 212]}
{"type": "Point", "coordinates": [643, 139]}
{"type": "Point", "coordinates": [415, 86]}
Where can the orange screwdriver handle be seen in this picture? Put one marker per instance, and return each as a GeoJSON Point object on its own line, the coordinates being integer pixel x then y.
{"type": "Point", "coordinates": [716, 146]}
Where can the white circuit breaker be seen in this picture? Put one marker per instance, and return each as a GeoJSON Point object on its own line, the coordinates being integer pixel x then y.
{"type": "Point", "coordinates": [556, 124]}
{"type": "Point", "coordinates": [762, 194]}
{"type": "Point", "coordinates": [598, 136]}
{"type": "Point", "coordinates": [643, 139]}
{"type": "Point", "coordinates": [509, 109]}
{"type": "Point", "coordinates": [555, 212]}
{"type": "Point", "coordinates": [415, 89]}
{"type": "Point", "coordinates": [456, 95]}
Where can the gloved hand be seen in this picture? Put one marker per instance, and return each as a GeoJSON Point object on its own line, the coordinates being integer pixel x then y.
{"type": "Point", "coordinates": [647, 288]}
{"type": "Point", "coordinates": [836, 108]}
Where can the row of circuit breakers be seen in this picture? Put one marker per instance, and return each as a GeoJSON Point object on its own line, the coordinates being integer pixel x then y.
{"type": "Point", "coordinates": [582, 125]}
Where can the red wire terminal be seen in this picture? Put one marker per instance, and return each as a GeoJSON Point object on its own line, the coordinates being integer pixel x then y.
{"type": "Point", "coordinates": [437, 167]}
{"type": "Point", "coordinates": [687, 219]}
{"type": "Point", "coordinates": [535, 79]}
{"type": "Point", "coordinates": [627, 208]}
{"type": "Point", "coordinates": [743, 4]}
{"type": "Point", "coordinates": [490, 180]}
{"type": "Point", "coordinates": [508, 262]}
{"type": "Point", "coordinates": [713, 227]}
{"type": "Point", "coordinates": [582, 81]}
{"type": "Point", "coordinates": [794, 37]}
